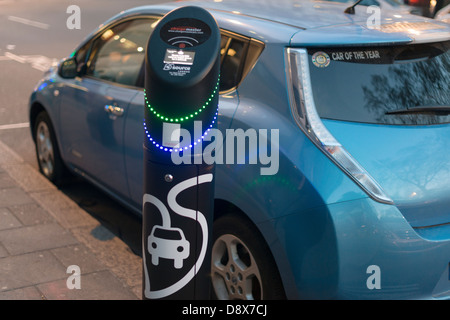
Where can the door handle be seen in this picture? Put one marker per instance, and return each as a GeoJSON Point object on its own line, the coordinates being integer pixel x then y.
{"type": "Point", "coordinates": [114, 110]}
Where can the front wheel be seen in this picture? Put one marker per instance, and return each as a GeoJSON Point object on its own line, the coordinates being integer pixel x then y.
{"type": "Point", "coordinates": [47, 151]}
{"type": "Point", "coordinates": [242, 267]}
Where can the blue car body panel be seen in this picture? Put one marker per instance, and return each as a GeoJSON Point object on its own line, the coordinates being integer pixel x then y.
{"type": "Point", "coordinates": [412, 165]}
{"type": "Point", "coordinates": [91, 139]}
{"type": "Point", "coordinates": [323, 230]}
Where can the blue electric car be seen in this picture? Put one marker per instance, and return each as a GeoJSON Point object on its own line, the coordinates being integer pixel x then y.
{"type": "Point", "coordinates": [352, 198]}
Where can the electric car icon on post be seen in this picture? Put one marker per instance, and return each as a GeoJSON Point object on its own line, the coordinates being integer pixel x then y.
{"type": "Point", "coordinates": [168, 243]}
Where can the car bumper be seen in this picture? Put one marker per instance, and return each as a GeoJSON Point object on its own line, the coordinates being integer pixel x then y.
{"type": "Point", "coordinates": [361, 249]}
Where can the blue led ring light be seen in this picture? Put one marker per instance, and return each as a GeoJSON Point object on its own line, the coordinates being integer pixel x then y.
{"type": "Point", "coordinates": [166, 149]}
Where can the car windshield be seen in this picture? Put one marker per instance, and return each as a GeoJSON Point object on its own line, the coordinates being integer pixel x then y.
{"type": "Point", "coordinates": [402, 85]}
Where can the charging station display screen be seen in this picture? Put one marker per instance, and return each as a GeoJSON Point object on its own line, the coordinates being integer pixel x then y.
{"type": "Point", "coordinates": [178, 56]}
{"type": "Point", "coordinates": [185, 32]}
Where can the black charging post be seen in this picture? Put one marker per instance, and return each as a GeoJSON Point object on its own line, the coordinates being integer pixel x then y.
{"type": "Point", "coordinates": [181, 107]}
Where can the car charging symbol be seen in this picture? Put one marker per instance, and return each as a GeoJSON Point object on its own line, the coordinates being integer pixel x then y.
{"type": "Point", "coordinates": [169, 243]}
{"type": "Point", "coordinates": [166, 241]}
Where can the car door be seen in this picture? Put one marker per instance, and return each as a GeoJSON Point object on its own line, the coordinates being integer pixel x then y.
{"type": "Point", "coordinates": [94, 106]}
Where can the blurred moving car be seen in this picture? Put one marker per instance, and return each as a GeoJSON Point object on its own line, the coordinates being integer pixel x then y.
{"type": "Point", "coordinates": [359, 206]}
{"type": "Point", "coordinates": [427, 8]}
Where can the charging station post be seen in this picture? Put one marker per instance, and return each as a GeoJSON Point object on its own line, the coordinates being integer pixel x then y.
{"type": "Point", "coordinates": [182, 66]}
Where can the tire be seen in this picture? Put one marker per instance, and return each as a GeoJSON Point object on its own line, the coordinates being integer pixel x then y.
{"type": "Point", "coordinates": [47, 151]}
{"type": "Point", "coordinates": [242, 267]}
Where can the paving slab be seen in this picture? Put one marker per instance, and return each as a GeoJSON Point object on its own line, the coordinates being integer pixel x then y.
{"type": "Point", "coordinates": [13, 196]}
{"type": "Point", "coordinates": [19, 271]}
{"type": "Point", "coordinates": [28, 293]}
{"type": "Point", "coordinates": [36, 238]}
{"type": "Point", "coordinates": [8, 220]}
{"type": "Point", "coordinates": [93, 286]}
{"type": "Point", "coordinates": [44, 234]}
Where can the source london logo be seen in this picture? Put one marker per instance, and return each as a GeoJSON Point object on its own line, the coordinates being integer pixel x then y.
{"type": "Point", "coordinates": [168, 66]}
{"type": "Point", "coordinates": [171, 66]}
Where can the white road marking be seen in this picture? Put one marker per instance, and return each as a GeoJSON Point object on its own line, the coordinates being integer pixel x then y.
{"type": "Point", "coordinates": [15, 126]}
{"type": "Point", "coordinates": [38, 62]}
{"type": "Point", "coordinates": [14, 57]}
{"type": "Point", "coordinates": [29, 22]}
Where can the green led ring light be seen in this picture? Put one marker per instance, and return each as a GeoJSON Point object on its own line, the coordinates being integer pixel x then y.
{"type": "Point", "coordinates": [183, 118]}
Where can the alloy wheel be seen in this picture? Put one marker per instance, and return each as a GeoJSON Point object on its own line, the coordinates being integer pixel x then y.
{"type": "Point", "coordinates": [45, 150]}
{"type": "Point", "coordinates": [235, 274]}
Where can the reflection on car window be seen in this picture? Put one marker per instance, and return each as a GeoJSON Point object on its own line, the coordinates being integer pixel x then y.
{"type": "Point", "coordinates": [117, 55]}
{"type": "Point", "coordinates": [82, 53]}
{"type": "Point", "coordinates": [232, 63]}
{"type": "Point", "coordinates": [371, 84]}
{"type": "Point", "coordinates": [238, 55]}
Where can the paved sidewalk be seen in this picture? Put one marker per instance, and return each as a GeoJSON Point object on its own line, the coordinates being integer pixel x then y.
{"type": "Point", "coordinates": [43, 232]}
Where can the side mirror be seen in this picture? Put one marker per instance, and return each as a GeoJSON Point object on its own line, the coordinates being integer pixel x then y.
{"type": "Point", "coordinates": [68, 68]}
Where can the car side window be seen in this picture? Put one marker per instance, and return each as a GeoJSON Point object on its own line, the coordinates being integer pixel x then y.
{"type": "Point", "coordinates": [118, 53]}
{"type": "Point", "coordinates": [238, 56]}
{"type": "Point", "coordinates": [81, 55]}
{"type": "Point", "coordinates": [232, 57]}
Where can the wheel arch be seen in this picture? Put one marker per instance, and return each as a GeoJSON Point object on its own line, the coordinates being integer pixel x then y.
{"type": "Point", "coordinates": [35, 108]}
{"type": "Point", "coordinates": [223, 208]}
{"type": "Point", "coordinates": [61, 172]}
